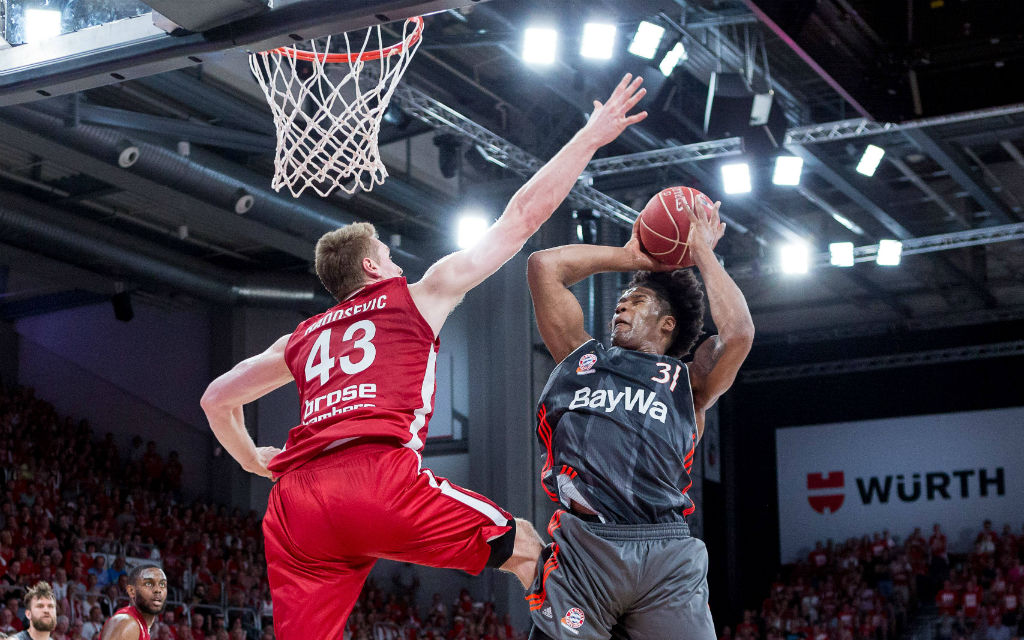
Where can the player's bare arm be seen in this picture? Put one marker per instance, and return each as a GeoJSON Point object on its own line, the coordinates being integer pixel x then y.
{"type": "Point", "coordinates": [223, 400]}
{"type": "Point", "coordinates": [121, 627]}
{"type": "Point", "coordinates": [447, 281]}
{"type": "Point", "coordinates": [551, 272]}
{"type": "Point", "coordinates": [718, 359]}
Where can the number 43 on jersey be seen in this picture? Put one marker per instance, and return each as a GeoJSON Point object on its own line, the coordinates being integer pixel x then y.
{"type": "Point", "coordinates": [320, 361]}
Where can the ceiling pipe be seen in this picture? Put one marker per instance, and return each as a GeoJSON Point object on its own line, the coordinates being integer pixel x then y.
{"type": "Point", "coordinates": [64, 237]}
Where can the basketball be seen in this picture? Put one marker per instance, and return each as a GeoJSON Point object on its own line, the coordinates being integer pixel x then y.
{"type": "Point", "coordinates": [665, 224]}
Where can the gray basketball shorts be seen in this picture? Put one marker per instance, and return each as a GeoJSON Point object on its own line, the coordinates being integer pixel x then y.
{"type": "Point", "coordinates": [642, 582]}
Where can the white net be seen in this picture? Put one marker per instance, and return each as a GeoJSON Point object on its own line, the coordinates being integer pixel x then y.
{"type": "Point", "coordinates": [328, 108]}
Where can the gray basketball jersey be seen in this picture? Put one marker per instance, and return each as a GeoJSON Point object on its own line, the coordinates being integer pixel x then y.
{"type": "Point", "coordinates": [619, 434]}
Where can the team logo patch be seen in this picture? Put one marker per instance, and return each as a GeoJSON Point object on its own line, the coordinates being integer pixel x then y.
{"type": "Point", "coordinates": [573, 619]}
{"type": "Point", "coordinates": [586, 364]}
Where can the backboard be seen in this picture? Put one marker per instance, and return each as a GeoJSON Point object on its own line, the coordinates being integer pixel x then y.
{"type": "Point", "coordinates": [107, 41]}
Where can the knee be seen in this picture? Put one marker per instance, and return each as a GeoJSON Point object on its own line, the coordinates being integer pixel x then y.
{"type": "Point", "coordinates": [526, 535]}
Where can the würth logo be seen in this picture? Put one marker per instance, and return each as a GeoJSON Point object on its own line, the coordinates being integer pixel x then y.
{"type": "Point", "coordinates": [832, 501]}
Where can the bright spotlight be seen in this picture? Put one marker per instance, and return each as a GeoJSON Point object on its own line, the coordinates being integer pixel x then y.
{"type": "Point", "coordinates": [471, 228]}
{"type": "Point", "coordinates": [794, 258]}
{"type": "Point", "coordinates": [41, 24]}
{"type": "Point", "coordinates": [869, 161]}
{"type": "Point", "coordinates": [736, 177]}
{"type": "Point", "coordinates": [646, 40]}
{"type": "Point", "coordinates": [841, 254]}
{"type": "Point", "coordinates": [540, 45]}
{"type": "Point", "coordinates": [676, 55]}
{"type": "Point", "coordinates": [598, 41]}
{"type": "Point", "coordinates": [889, 253]}
{"type": "Point", "coordinates": [787, 170]}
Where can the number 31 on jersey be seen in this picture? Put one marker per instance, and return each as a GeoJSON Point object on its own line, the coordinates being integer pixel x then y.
{"type": "Point", "coordinates": [320, 361]}
{"type": "Point", "coordinates": [664, 371]}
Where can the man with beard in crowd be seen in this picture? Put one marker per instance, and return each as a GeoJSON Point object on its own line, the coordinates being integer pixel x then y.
{"type": "Point", "coordinates": [41, 612]}
{"type": "Point", "coordinates": [147, 592]}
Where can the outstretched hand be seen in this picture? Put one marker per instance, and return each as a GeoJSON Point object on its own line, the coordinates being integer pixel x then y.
{"type": "Point", "coordinates": [258, 465]}
{"type": "Point", "coordinates": [610, 119]}
{"type": "Point", "coordinates": [643, 260]}
{"type": "Point", "coordinates": [706, 227]}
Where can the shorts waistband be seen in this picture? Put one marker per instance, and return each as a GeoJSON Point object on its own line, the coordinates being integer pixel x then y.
{"type": "Point", "coordinates": [328, 457]}
{"type": "Point", "coordinates": [637, 532]}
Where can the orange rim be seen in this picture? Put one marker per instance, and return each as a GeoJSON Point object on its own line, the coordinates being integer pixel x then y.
{"type": "Point", "coordinates": [376, 54]}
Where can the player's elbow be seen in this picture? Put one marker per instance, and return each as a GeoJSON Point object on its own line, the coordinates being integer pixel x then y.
{"type": "Point", "coordinates": [213, 399]}
{"type": "Point", "coordinates": [739, 335]}
{"type": "Point", "coordinates": [541, 265]}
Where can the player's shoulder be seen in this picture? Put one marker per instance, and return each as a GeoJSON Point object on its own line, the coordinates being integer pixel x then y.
{"type": "Point", "coordinates": [121, 626]}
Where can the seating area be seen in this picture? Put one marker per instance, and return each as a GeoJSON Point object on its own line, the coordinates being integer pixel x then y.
{"type": "Point", "coordinates": [77, 511]}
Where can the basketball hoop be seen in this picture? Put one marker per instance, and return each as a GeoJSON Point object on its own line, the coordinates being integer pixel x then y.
{"type": "Point", "coordinates": [327, 123]}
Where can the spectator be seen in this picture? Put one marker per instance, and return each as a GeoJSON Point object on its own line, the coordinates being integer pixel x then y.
{"type": "Point", "coordinates": [95, 623]}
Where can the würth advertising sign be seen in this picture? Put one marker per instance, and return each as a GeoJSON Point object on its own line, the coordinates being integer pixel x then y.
{"type": "Point", "coordinates": [852, 479]}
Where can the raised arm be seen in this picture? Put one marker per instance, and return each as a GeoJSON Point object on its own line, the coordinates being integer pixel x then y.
{"type": "Point", "coordinates": [447, 281]}
{"type": "Point", "coordinates": [247, 381]}
{"type": "Point", "coordinates": [718, 359]}
{"type": "Point", "coordinates": [551, 272]}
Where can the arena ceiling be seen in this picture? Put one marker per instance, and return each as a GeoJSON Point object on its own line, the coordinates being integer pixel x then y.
{"type": "Point", "coordinates": [933, 83]}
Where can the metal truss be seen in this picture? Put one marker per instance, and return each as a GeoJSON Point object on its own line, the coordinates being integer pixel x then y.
{"type": "Point", "coordinates": [664, 157]}
{"type": "Point", "coordinates": [810, 134]}
{"type": "Point", "coordinates": [893, 361]}
{"type": "Point", "coordinates": [502, 152]}
{"type": "Point", "coordinates": [859, 127]}
{"type": "Point", "coordinates": [911, 246]}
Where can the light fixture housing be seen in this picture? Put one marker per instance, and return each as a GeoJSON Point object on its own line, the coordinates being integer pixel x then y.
{"type": "Point", "coordinates": [471, 228]}
{"type": "Point", "coordinates": [787, 170]}
{"type": "Point", "coordinates": [736, 178]}
{"type": "Point", "coordinates": [869, 160]}
{"type": "Point", "coordinates": [540, 45]}
{"type": "Point", "coordinates": [598, 41]}
{"type": "Point", "coordinates": [841, 254]}
{"type": "Point", "coordinates": [646, 40]}
{"type": "Point", "coordinates": [889, 253]}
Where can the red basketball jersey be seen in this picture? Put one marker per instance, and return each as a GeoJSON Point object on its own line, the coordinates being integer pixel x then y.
{"type": "Point", "coordinates": [364, 368]}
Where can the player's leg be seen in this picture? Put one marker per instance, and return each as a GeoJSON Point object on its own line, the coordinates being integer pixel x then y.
{"type": "Point", "coordinates": [675, 581]}
{"type": "Point", "coordinates": [444, 525]}
{"type": "Point", "coordinates": [312, 596]}
{"type": "Point", "coordinates": [575, 594]}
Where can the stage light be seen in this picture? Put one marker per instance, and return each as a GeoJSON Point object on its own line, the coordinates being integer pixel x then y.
{"type": "Point", "coordinates": [787, 170]}
{"type": "Point", "coordinates": [736, 178]}
{"type": "Point", "coordinates": [41, 24]}
{"type": "Point", "coordinates": [889, 253]}
{"type": "Point", "coordinates": [646, 40]}
{"type": "Point", "coordinates": [870, 159]}
{"type": "Point", "coordinates": [540, 45]}
{"type": "Point", "coordinates": [598, 41]}
{"type": "Point", "coordinates": [472, 226]}
{"type": "Point", "coordinates": [794, 258]}
{"type": "Point", "coordinates": [841, 254]}
{"type": "Point", "coordinates": [675, 55]}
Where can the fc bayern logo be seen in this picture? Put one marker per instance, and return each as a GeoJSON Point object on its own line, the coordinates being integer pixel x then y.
{"type": "Point", "coordinates": [587, 363]}
{"type": "Point", "coordinates": [573, 618]}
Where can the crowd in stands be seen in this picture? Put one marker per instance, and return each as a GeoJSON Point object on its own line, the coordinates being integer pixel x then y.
{"type": "Point", "coordinates": [75, 511]}
{"type": "Point", "coordinates": [869, 589]}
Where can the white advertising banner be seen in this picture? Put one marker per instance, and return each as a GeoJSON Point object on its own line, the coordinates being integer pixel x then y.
{"type": "Point", "coordinates": [844, 480]}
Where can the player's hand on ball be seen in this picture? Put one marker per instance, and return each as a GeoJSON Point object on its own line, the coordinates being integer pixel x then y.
{"type": "Point", "coordinates": [706, 228]}
{"type": "Point", "coordinates": [640, 259]}
{"type": "Point", "coordinates": [258, 465]}
{"type": "Point", "coordinates": [611, 118]}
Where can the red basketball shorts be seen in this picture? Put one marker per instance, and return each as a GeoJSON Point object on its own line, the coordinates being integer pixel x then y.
{"type": "Point", "coordinates": [328, 522]}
